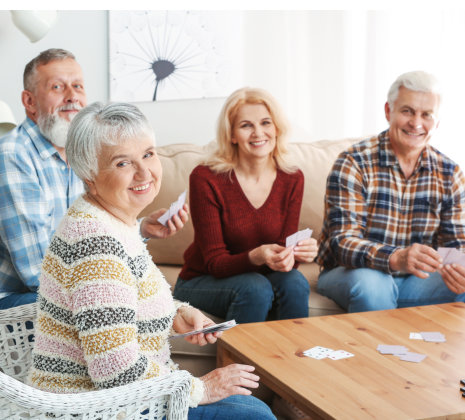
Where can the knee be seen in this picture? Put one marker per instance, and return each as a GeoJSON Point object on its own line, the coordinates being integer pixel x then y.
{"type": "Point", "coordinates": [255, 287]}
{"type": "Point", "coordinates": [372, 290]}
{"type": "Point", "coordinates": [247, 406]}
{"type": "Point", "coordinates": [295, 282]}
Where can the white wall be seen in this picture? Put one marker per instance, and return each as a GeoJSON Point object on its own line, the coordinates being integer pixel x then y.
{"type": "Point", "coordinates": [83, 33]}
{"type": "Point", "coordinates": [330, 70]}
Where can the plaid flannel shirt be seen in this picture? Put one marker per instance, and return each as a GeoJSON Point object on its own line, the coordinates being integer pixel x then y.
{"type": "Point", "coordinates": [36, 189]}
{"type": "Point", "coordinates": [371, 210]}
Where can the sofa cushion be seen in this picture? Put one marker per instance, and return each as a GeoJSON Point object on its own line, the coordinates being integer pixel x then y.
{"type": "Point", "coordinates": [178, 160]}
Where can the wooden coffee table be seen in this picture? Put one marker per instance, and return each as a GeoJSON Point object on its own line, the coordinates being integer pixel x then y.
{"type": "Point", "coordinates": [369, 385]}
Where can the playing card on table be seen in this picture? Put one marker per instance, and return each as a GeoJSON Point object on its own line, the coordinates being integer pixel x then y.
{"type": "Point", "coordinates": [210, 329]}
{"type": "Point", "coordinates": [339, 354]}
{"type": "Point", "coordinates": [174, 209]}
{"type": "Point", "coordinates": [434, 337]}
{"type": "Point", "coordinates": [318, 352]}
{"type": "Point", "coordinates": [295, 238]}
{"type": "Point", "coordinates": [412, 357]}
{"type": "Point", "coordinates": [389, 349]}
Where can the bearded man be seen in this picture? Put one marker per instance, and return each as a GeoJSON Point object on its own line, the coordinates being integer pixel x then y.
{"type": "Point", "coordinates": [36, 184]}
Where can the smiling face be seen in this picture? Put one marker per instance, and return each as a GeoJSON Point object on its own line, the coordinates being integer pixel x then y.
{"type": "Point", "coordinates": [413, 119]}
{"type": "Point", "coordinates": [59, 89]}
{"type": "Point", "coordinates": [128, 179]}
{"type": "Point", "coordinates": [254, 132]}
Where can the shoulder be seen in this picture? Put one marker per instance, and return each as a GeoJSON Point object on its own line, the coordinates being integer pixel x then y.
{"type": "Point", "coordinates": [295, 177]}
{"type": "Point", "coordinates": [363, 149]}
{"type": "Point", "coordinates": [446, 166]}
{"type": "Point", "coordinates": [205, 174]}
{"type": "Point", "coordinates": [202, 171]}
{"type": "Point", "coordinates": [16, 141]}
{"type": "Point", "coordinates": [362, 154]}
{"type": "Point", "coordinates": [18, 149]}
{"type": "Point", "coordinates": [91, 231]}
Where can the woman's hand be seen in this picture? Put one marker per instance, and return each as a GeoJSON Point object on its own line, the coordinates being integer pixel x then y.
{"type": "Point", "coordinates": [188, 319]}
{"type": "Point", "coordinates": [150, 227]}
{"type": "Point", "coordinates": [277, 257]}
{"type": "Point", "coordinates": [306, 250]}
{"type": "Point", "coordinates": [223, 382]}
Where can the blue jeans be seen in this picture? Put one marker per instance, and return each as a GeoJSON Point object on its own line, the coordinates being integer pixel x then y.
{"type": "Point", "coordinates": [17, 299]}
{"type": "Point", "coordinates": [248, 297]}
{"type": "Point", "coordinates": [365, 289]}
{"type": "Point", "coordinates": [235, 407]}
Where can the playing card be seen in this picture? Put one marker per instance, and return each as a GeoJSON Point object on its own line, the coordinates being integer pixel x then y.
{"type": "Point", "coordinates": [318, 352]}
{"type": "Point", "coordinates": [390, 349]}
{"type": "Point", "coordinates": [295, 238]}
{"type": "Point", "coordinates": [415, 336]}
{"type": "Point", "coordinates": [444, 252]}
{"type": "Point", "coordinates": [210, 329]}
{"type": "Point", "coordinates": [339, 354]}
{"type": "Point", "coordinates": [412, 357]}
{"type": "Point", "coordinates": [451, 256]}
{"type": "Point", "coordinates": [435, 337]}
{"type": "Point", "coordinates": [174, 209]}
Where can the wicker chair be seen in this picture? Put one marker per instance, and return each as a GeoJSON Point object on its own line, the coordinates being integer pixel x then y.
{"type": "Point", "coordinates": [166, 396]}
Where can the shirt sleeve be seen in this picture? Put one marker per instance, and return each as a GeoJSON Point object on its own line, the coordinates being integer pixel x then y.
{"type": "Point", "coordinates": [25, 225]}
{"type": "Point", "coordinates": [345, 219]}
{"type": "Point", "coordinates": [452, 227]}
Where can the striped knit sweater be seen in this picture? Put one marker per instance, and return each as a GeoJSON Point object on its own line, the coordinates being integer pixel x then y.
{"type": "Point", "coordinates": [105, 309]}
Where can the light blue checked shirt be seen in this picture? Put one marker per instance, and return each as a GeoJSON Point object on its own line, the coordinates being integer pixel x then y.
{"type": "Point", "coordinates": [36, 189]}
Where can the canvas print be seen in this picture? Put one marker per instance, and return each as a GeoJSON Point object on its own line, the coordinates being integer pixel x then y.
{"type": "Point", "coordinates": [164, 55]}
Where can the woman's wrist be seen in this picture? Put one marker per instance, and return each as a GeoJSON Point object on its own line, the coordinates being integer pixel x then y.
{"type": "Point", "coordinates": [255, 256]}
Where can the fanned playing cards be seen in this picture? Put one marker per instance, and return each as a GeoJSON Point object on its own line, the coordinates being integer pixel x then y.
{"type": "Point", "coordinates": [210, 329]}
{"type": "Point", "coordinates": [295, 238]}
{"type": "Point", "coordinates": [174, 208]}
{"type": "Point", "coordinates": [452, 256]}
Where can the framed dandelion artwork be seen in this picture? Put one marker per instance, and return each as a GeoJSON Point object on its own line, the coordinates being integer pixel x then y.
{"type": "Point", "coordinates": [164, 55]}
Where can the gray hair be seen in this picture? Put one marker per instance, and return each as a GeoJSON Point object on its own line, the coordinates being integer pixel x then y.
{"type": "Point", "coordinates": [419, 81]}
{"type": "Point", "coordinates": [43, 58]}
{"type": "Point", "coordinates": [101, 124]}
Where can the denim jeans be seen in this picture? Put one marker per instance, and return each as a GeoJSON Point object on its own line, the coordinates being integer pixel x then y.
{"type": "Point", "coordinates": [365, 289]}
{"type": "Point", "coordinates": [235, 407]}
{"type": "Point", "coordinates": [17, 299]}
{"type": "Point", "coordinates": [248, 297]}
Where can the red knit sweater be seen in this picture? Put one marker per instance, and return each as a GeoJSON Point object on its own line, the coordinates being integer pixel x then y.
{"type": "Point", "coordinates": [227, 226]}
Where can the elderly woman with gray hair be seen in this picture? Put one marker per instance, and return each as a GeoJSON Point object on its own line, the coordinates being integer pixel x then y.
{"type": "Point", "coordinates": [105, 310]}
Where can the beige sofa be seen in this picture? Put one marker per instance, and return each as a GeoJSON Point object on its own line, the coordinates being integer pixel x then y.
{"type": "Point", "coordinates": [314, 159]}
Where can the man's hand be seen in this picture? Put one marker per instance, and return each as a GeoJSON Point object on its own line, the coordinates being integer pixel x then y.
{"type": "Point", "coordinates": [188, 319]}
{"type": "Point", "coordinates": [417, 259]}
{"type": "Point", "coordinates": [277, 257]}
{"type": "Point", "coordinates": [150, 227]}
{"type": "Point", "coordinates": [454, 277]}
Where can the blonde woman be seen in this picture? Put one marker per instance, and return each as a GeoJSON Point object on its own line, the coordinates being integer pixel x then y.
{"type": "Point", "coordinates": [245, 200]}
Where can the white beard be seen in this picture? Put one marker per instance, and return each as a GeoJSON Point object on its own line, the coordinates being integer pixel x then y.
{"type": "Point", "coordinates": [54, 128]}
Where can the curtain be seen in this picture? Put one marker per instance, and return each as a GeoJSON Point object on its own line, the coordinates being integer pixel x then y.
{"type": "Point", "coordinates": [331, 70]}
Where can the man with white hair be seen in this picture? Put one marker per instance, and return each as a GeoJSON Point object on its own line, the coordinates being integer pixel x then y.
{"type": "Point", "coordinates": [391, 201]}
{"type": "Point", "coordinates": [37, 186]}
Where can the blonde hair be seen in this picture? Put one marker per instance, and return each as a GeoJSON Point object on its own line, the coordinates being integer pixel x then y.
{"type": "Point", "coordinates": [225, 157]}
